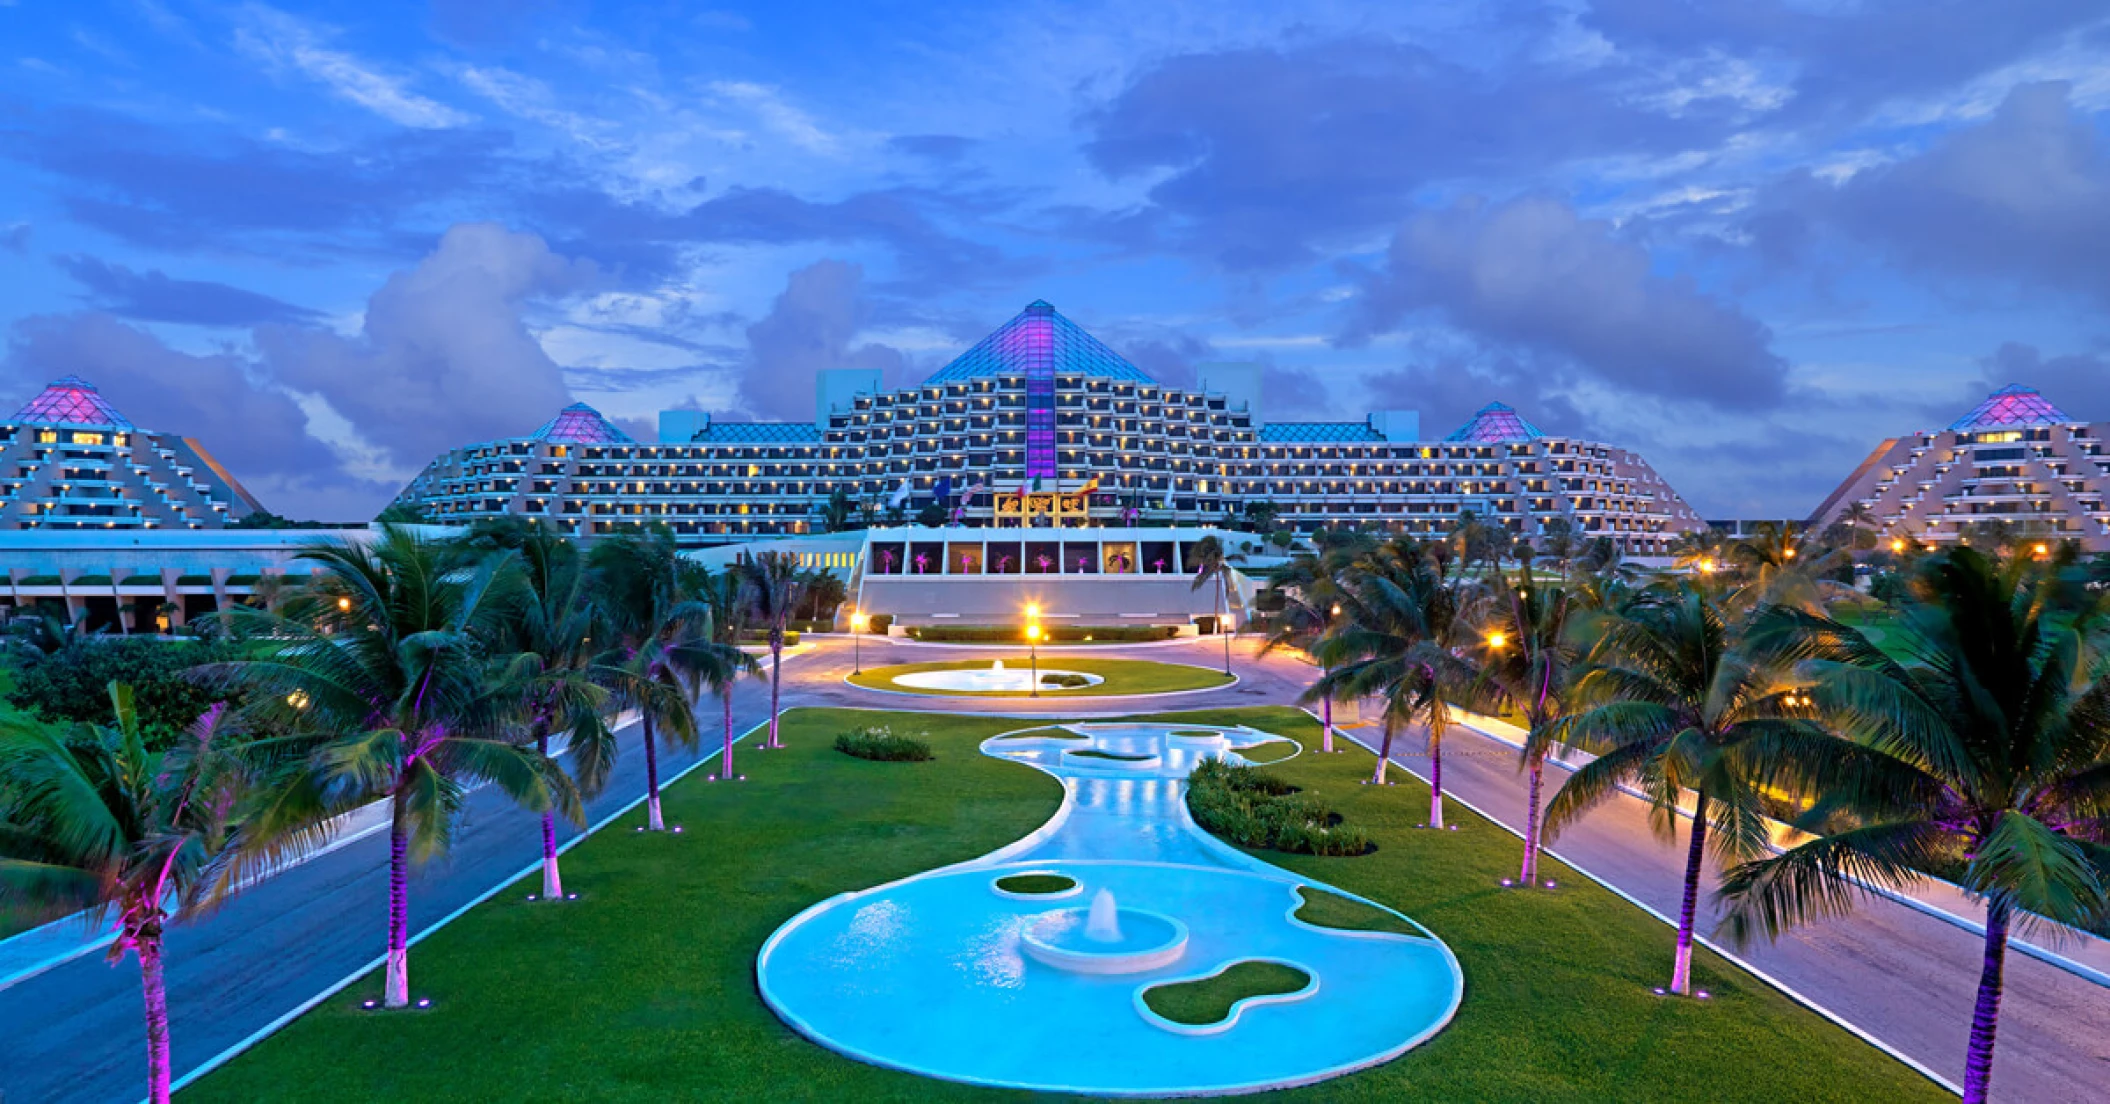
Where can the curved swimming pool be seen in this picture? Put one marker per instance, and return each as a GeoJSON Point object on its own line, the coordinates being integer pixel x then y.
{"type": "Point", "coordinates": [931, 974]}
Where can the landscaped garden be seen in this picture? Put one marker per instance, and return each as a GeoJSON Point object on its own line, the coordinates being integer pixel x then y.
{"type": "Point", "coordinates": [1116, 677]}
{"type": "Point", "coordinates": [644, 988]}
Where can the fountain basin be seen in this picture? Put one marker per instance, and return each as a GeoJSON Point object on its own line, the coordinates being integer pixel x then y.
{"type": "Point", "coordinates": [1147, 941]}
{"type": "Point", "coordinates": [994, 680]}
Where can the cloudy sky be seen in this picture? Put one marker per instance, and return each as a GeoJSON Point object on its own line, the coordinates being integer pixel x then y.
{"type": "Point", "coordinates": [333, 239]}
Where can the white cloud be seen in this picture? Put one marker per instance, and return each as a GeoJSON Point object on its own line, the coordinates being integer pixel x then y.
{"type": "Point", "coordinates": [282, 41]}
{"type": "Point", "coordinates": [530, 99]}
{"type": "Point", "coordinates": [777, 115]}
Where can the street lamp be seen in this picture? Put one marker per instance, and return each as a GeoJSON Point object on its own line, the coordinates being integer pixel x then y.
{"type": "Point", "coordinates": [1033, 650]}
{"type": "Point", "coordinates": [858, 621]}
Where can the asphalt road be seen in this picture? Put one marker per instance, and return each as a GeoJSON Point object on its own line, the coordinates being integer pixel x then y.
{"type": "Point", "coordinates": [74, 1033]}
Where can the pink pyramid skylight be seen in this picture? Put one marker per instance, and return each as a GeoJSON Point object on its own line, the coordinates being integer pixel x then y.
{"type": "Point", "coordinates": [1496, 422]}
{"type": "Point", "coordinates": [2013, 405]}
{"type": "Point", "coordinates": [71, 400]}
{"type": "Point", "coordinates": [580, 424]}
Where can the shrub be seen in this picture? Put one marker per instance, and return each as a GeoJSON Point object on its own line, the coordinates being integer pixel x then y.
{"type": "Point", "coordinates": [1065, 680]}
{"type": "Point", "coordinates": [1252, 809]}
{"type": "Point", "coordinates": [879, 744]}
{"type": "Point", "coordinates": [880, 622]}
{"type": "Point", "coordinates": [761, 636]}
{"type": "Point", "coordinates": [73, 683]}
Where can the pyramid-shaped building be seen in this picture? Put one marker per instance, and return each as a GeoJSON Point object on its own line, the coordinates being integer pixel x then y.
{"type": "Point", "coordinates": [69, 460]}
{"type": "Point", "coordinates": [2013, 468]}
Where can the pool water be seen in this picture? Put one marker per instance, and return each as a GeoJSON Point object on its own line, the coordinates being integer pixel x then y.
{"type": "Point", "coordinates": [929, 974]}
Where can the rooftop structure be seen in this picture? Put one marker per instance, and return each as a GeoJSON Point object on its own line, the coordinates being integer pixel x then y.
{"type": "Point", "coordinates": [69, 460]}
{"type": "Point", "coordinates": [1042, 425]}
{"type": "Point", "coordinates": [1496, 422]}
{"type": "Point", "coordinates": [2015, 465]}
{"type": "Point", "coordinates": [580, 424]}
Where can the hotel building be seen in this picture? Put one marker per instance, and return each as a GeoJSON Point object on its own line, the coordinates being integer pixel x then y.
{"type": "Point", "coordinates": [1042, 425]}
{"type": "Point", "coordinates": [69, 460]}
{"type": "Point", "coordinates": [2015, 458]}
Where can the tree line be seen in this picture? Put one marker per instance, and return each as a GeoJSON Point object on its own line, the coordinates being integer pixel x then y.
{"type": "Point", "coordinates": [407, 670]}
{"type": "Point", "coordinates": [1960, 729]}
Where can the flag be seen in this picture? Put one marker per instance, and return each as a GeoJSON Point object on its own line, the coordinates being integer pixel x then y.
{"type": "Point", "coordinates": [1090, 485]}
{"type": "Point", "coordinates": [943, 489]}
{"type": "Point", "coordinates": [900, 496]}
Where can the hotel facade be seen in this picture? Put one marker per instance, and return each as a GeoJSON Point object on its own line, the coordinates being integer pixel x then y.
{"type": "Point", "coordinates": [1042, 425]}
{"type": "Point", "coordinates": [2015, 459]}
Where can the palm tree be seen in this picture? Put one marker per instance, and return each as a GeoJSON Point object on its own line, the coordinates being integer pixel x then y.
{"type": "Point", "coordinates": [773, 584]}
{"type": "Point", "coordinates": [1307, 587]}
{"type": "Point", "coordinates": [661, 637]}
{"type": "Point", "coordinates": [1396, 639]}
{"type": "Point", "coordinates": [1527, 660]}
{"type": "Point", "coordinates": [1208, 563]}
{"type": "Point", "coordinates": [559, 674]}
{"type": "Point", "coordinates": [1671, 700]}
{"type": "Point", "coordinates": [1987, 754]}
{"type": "Point", "coordinates": [94, 821]}
{"type": "Point", "coordinates": [381, 671]}
{"type": "Point", "coordinates": [1777, 566]}
{"type": "Point", "coordinates": [722, 595]}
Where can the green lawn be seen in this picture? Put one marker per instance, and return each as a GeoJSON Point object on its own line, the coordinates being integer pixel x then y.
{"type": "Point", "coordinates": [644, 989]}
{"type": "Point", "coordinates": [1208, 1000]}
{"type": "Point", "coordinates": [1123, 676]}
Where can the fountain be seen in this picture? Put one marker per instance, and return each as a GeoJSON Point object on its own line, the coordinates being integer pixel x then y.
{"type": "Point", "coordinates": [994, 679]}
{"type": "Point", "coordinates": [1104, 939]}
{"type": "Point", "coordinates": [1103, 923]}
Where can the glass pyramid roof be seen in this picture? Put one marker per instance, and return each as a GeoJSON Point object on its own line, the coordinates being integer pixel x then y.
{"type": "Point", "coordinates": [1496, 422]}
{"type": "Point", "coordinates": [580, 424]}
{"type": "Point", "coordinates": [71, 400]}
{"type": "Point", "coordinates": [1039, 339]}
{"type": "Point", "coordinates": [2013, 405]}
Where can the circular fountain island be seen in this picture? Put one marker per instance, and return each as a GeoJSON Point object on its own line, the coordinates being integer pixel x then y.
{"type": "Point", "coordinates": [1104, 939]}
{"type": "Point", "coordinates": [995, 679]}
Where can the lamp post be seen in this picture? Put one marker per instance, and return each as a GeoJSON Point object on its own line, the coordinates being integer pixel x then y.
{"type": "Point", "coordinates": [1033, 651]}
{"type": "Point", "coordinates": [858, 621]}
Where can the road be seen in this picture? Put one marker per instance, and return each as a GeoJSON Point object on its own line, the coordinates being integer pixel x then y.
{"type": "Point", "coordinates": [74, 1032]}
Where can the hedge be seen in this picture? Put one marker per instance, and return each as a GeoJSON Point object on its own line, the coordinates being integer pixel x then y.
{"type": "Point", "coordinates": [1055, 634]}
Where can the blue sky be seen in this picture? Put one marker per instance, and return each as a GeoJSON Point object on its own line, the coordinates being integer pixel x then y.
{"type": "Point", "coordinates": [1749, 240]}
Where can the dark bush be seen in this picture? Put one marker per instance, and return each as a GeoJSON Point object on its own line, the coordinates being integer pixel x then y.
{"type": "Point", "coordinates": [1255, 810]}
{"type": "Point", "coordinates": [73, 683]}
{"type": "Point", "coordinates": [1066, 681]}
{"type": "Point", "coordinates": [879, 744]}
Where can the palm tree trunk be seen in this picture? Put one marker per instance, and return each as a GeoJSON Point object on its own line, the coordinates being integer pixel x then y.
{"type": "Point", "coordinates": [552, 882]}
{"type": "Point", "coordinates": [397, 992]}
{"type": "Point", "coordinates": [1384, 755]}
{"type": "Point", "coordinates": [1326, 741]}
{"type": "Point", "coordinates": [725, 761]}
{"type": "Point", "coordinates": [776, 675]}
{"type": "Point", "coordinates": [1223, 614]}
{"type": "Point", "coordinates": [653, 820]}
{"type": "Point", "coordinates": [1985, 1017]}
{"type": "Point", "coordinates": [1695, 861]}
{"type": "Point", "coordinates": [1435, 779]}
{"type": "Point", "coordinates": [1528, 875]}
{"type": "Point", "coordinates": [152, 985]}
